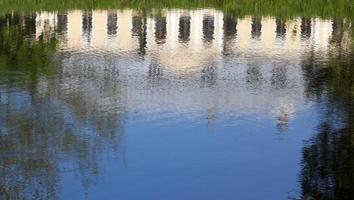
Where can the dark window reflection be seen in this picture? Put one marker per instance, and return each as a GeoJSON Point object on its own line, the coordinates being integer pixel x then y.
{"type": "Point", "coordinates": [30, 25]}
{"type": "Point", "coordinates": [155, 71]}
{"type": "Point", "coordinates": [305, 27]}
{"type": "Point", "coordinates": [208, 28]}
{"type": "Point", "coordinates": [280, 28]}
{"type": "Point", "coordinates": [229, 34]}
{"type": "Point", "coordinates": [136, 25]}
{"type": "Point", "coordinates": [112, 23]}
{"type": "Point", "coordinates": [254, 77]}
{"type": "Point", "coordinates": [337, 32]}
{"type": "Point", "coordinates": [184, 28]}
{"type": "Point", "coordinates": [209, 75]}
{"type": "Point", "coordinates": [230, 27]}
{"type": "Point", "coordinates": [87, 24]}
{"type": "Point", "coordinates": [139, 30]}
{"type": "Point", "coordinates": [279, 78]}
{"type": "Point", "coordinates": [62, 22]}
{"type": "Point", "coordinates": [160, 30]}
{"type": "Point", "coordinates": [12, 20]}
{"type": "Point", "coordinates": [256, 27]}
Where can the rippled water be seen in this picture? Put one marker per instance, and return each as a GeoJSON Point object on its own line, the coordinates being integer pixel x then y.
{"type": "Point", "coordinates": [178, 104]}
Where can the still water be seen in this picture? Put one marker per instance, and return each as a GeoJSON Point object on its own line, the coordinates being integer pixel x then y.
{"type": "Point", "coordinates": [175, 104]}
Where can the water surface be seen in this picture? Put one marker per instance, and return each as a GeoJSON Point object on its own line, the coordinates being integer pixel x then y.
{"type": "Point", "coordinates": [175, 104]}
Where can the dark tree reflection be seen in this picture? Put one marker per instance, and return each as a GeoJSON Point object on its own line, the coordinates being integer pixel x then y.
{"type": "Point", "coordinates": [328, 157]}
{"type": "Point", "coordinates": [41, 138]}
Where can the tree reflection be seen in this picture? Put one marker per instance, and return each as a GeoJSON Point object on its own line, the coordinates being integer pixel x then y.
{"type": "Point", "coordinates": [41, 138]}
{"type": "Point", "coordinates": [328, 157]}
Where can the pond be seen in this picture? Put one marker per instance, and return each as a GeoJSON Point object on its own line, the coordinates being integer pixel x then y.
{"type": "Point", "coordinates": [175, 104]}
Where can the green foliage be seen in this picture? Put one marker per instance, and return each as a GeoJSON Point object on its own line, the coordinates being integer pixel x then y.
{"type": "Point", "coordinates": [285, 8]}
{"type": "Point", "coordinates": [20, 52]}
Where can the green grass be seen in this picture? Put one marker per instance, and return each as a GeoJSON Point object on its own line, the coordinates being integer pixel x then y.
{"type": "Point", "coordinates": [285, 8]}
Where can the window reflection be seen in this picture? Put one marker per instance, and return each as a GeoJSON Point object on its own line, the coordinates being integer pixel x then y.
{"type": "Point", "coordinates": [112, 23]}
{"type": "Point", "coordinates": [160, 30]}
{"type": "Point", "coordinates": [184, 28]}
{"type": "Point", "coordinates": [87, 24]}
{"type": "Point", "coordinates": [256, 27]}
{"type": "Point", "coordinates": [281, 28]}
{"type": "Point", "coordinates": [208, 28]}
{"type": "Point", "coordinates": [305, 27]}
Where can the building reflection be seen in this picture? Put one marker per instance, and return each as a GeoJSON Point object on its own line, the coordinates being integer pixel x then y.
{"type": "Point", "coordinates": [258, 37]}
{"type": "Point", "coordinates": [129, 30]}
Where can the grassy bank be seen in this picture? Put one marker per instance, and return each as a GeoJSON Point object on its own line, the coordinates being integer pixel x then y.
{"type": "Point", "coordinates": [286, 8]}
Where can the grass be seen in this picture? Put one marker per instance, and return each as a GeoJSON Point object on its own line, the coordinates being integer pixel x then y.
{"type": "Point", "coordinates": [282, 8]}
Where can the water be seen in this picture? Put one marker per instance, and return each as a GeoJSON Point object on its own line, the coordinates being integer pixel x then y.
{"type": "Point", "coordinates": [177, 104]}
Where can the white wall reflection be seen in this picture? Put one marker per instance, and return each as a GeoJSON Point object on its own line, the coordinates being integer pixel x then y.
{"type": "Point", "coordinates": [188, 62]}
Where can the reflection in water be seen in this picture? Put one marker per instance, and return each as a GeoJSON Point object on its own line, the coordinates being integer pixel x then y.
{"type": "Point", "coordinates": [160, 30]}
{"type": "Point", "coordinates": [71, 83]}
{"type": "Point", "coordinates": [62, 23]}
{"type": "Point", "coordinates": [208, 28]}
{"type": "Point", "coordinates": [281, 27]}
{"type": "Point", "coordinates": [254, 77]}
{"type": "Point", "coordinates": [184, 28]}
{"type": "Point", "coordinates": [112, 24]}
{"type": "Point", "coordinates": [229, 33]}
{"type": "Point", "coordinates": [279, 77]}
{"type": "Point", "coordinates": [327, 162]}
{"type": "Point", "coordinates": [87, 25]}
{"type": "Point", "coordinates": [256, 27]}
{"type": "Point", "coordinates": [139, 28]}
{"type": "Point", "coordinates": [306, 27]}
